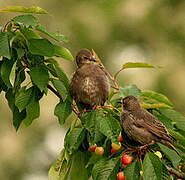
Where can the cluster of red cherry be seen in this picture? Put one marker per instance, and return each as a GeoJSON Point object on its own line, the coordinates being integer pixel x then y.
{"type": "Point", "coordinates": [125, 158]}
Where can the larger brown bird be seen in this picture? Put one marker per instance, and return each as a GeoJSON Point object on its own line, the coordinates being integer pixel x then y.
{"type": "Point", "coordinates": [142, 126]}
{"type": "Point", "coordinates": [89, 84]}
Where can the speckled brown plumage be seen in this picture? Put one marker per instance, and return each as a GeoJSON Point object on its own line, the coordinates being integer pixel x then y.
{"type": "Point", "coordinates": [142, 126]}
{"type": "Point", "coordinates": [89, 84]}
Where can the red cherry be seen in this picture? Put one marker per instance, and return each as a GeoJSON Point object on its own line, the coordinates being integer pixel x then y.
{"type": "Point", "coordinates": [113, 151]}
{"type": "Point", "coordinates": [126, 159]}
{"type": "Point", "coordinates": [99, 151]}
{"type": "Point", "coordinates": [92, 148]}
{"type": "Point", "coordinates": [120, 176]}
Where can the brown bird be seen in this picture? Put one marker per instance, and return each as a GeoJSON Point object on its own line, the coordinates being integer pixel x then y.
{"type": "Point", "coordinates": [142, 126]}
{"type": "Point", "coordinates": [89, 85]}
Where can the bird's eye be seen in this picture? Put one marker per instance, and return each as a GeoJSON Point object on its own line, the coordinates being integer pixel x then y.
{"type": "Point", "coordinates": [86, 57]}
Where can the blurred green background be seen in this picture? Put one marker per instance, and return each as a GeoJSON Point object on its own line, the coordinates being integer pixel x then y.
{"type": "Point", "coordinates": [119, 31]}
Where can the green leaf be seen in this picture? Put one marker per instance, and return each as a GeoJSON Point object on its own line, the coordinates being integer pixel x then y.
{"type": "Point", "coordinates": [33, 108]}
{"type": "Point", "coordinates": [59, 86]}
{"type": "Point", "coordinates": [63, 52]}
{"type": "Point", "coordinates": [178, 136]}
{"type": "Point", "coordinates": [63, 110]}
{"type": "Point", "coordinates": [78, 170]}
{"type": "Point", "coordinates": [60, 168]}
{"type": "Point", "coordinates": [132, 171]}
{"type": "Point", "coordinates": [26, 20]}
{"type": "Point", "coordinates": [17, 116]}
{"type": "Point", "coordinates": [56, 36]}
{"type": "Point", "coordinates": [74, 139]}
{"type": "Point", "coordinates": [41, 47]}
{"type": "Point", "coordinates": [131, 90]}
{"type": "Point", "coordinates": [110, 127]}
{"type": "Point", "coordinates": [154, 97]}
{"type": "Point", "coordinates": [170, 154]}
{"type": "Point", "coordinates": [6, 68]}
{"type": "Point", "coordinates": [40, 77]}
{"type": "Point", "coordinates": [155, 105]}
{"type": "Point", "coordinates": [177, 118]}
{"type": "Point", "coordinates": [138, 65]}
{"type": "Point", "coordinates": [4, 45]}
{"type": "Point", "coordinates": [29, 34]}
{"type": "Point", "coordinates": [33, 9]}
{"type": "Point", "coordinates": [62, 76]}
{"type": "Point", "coordinates": [23, 97]}
{"type": "Point", "coordinates": [152, 167]}
{"type": "Point", "coordinates": [105, 169]}
{"type": "Point", "coordinates": [32, 112]}
{"type": "Point", "coordinates": [91, 122]}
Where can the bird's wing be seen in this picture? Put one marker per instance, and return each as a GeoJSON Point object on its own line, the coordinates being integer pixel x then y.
{"type": "Point", "coordinates": [152, 124]}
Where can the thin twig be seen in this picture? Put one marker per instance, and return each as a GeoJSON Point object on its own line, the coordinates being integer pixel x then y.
{"type": "Point", "coordinates": [176, 172]}
{"type": "Point", "coordinates": [115, 76]}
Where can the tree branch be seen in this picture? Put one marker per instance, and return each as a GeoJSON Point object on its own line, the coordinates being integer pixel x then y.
{"type": "Point", "coordinates": [176, 172]}
{"type": "Point", "coordinates": [55, 92]}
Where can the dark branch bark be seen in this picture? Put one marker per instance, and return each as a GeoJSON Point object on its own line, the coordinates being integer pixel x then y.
{"type": "Point", "coordinates": [54, 91]}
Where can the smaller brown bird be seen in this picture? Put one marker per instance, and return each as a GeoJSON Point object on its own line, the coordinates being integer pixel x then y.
{"type": "Point", "coordinates": [89, 85]}
{"type": "Point", "coordinates": [142, 126]}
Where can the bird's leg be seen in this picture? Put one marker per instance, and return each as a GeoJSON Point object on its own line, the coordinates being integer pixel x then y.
{"type": "Point", "coordinates": [75, 110]}
{"type": "Point", "coordinates": [146, 145]}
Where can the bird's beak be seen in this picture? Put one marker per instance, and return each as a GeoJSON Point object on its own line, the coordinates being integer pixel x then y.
{"type": "Point", "coordinates": [93, 59]}
{"type": "Point", "coordinates": [119, 102]}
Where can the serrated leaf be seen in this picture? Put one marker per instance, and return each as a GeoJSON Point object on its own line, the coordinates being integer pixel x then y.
{"type": "Point", "coordinates": [23, 97]}
{"type": "Point", "coordinates": [33, 9]}
{"type": "Point", "coordinates": [59, 86]}
{"type": "Point", "coordinates": [170, 154]}
{"type": "Point", "coordinates": [41, 47]}
{"type": "Point", "coordinates": [177, 118]}
{"type": "Point", "coordinates": [132, 171]}
{"type": "Point", "coordinates": [5, 71]}
{"type": "Point", "coordinates": [63, 52]}
{"type": "Point", "coordinates": [105, 169]}
{"type": "Point", "coordinates": [131, 90]}
{"type": "Point", "coordinates": [138, 65]}
{"type": "Point", "coordinates": [39, 76]}
{"type": "Point", "coordinates": [4, 45]}
{"type": "Point", "coordinates": [73, 139]}
{"type": "Point", "coordinates": [29, 34]}
{"type": "Point", "coordinates": [26, 20]}
{"type": "Point", "coordinates": [91, 122]}
{"type": "Point", "coordinates": [153, 97]}
{"type": "Point", "coordinates": [63, 110]}
{"type": "Point", "coordinates": [152, 167]}
{"type": "Point", "coordinates": [56, 36]}
{"type": "Point", "coordinates": [110, 127]}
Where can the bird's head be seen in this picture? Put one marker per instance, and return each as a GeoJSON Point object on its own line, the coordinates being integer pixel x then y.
{"type": "Point", "coordinates": [130, 103]}
{"type": "Point", "coordinates": [85, 56]}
